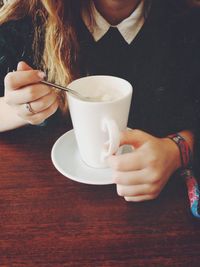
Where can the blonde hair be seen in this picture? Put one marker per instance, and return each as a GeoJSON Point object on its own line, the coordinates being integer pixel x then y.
{"type": "Point", "coordinates": [57, 22]}
{"type": "Point", "coordinates": [54, 24]}
{"type": "Point", "coordinates": [55, 27]}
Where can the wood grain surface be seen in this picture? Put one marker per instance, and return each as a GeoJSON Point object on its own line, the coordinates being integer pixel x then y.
{"type": "Point", "coordinates": [48, 220]}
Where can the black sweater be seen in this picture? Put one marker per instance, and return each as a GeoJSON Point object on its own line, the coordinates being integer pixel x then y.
{"type": "Point", "coordinates": [158, 63]}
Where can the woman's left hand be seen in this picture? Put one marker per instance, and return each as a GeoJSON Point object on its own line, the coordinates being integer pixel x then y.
{"type": "Point", "coordinates": [142, 174]}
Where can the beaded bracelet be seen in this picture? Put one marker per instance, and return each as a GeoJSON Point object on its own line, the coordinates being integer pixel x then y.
{"type": "Point", "coordinates": [187, 173]}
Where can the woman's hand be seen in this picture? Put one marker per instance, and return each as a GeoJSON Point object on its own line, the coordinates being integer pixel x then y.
{"type": "Point", "coordinates": [31, 101]}
{"type": "Point", "coordinates": [142, 174]}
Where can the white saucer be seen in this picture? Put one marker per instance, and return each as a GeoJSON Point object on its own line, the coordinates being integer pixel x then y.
{"type": "Point", "coordinates": [66, 159]}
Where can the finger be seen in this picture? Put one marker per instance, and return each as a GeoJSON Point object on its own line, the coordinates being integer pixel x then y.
{"type": "Point", "coordinates": [127, 162]}
{"type": "Point", "coordinates": [19, 79]}
{"type": "Point", "coordinates": [131, 178]}
{"type": "Point", "coordinates": [135, 190]}
{"type": "Point", "coordinates": [37, 106]}
{"type": "Point", "coordinates": [43, 102]}
{"type": "Point", "coordinates": [140, 198]}
{"type": "Point", "coordinates": [27, 94]}
{"type": "Point", "coordinates": [43, 115]}
{"type": "Point", "coordinates": [23, 66]}
{"type": "Point", "coordinates": [134, 137]}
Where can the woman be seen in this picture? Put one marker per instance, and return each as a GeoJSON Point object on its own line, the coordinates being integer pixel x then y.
{"type": "Point", "coordinates": [69, 39]}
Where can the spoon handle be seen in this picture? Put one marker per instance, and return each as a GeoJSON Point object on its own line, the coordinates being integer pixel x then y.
{"type": "Point", "coordinates": [78, 95]}
{"type": "Point", "coordinates": [58, 86]}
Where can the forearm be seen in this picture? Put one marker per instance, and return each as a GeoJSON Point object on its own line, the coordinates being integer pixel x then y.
{"type": "Point", "coordinates": [8, 118]}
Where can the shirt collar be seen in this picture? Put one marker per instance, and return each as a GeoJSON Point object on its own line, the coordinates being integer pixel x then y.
{"type": "Point", "coordinates": [128, 28]}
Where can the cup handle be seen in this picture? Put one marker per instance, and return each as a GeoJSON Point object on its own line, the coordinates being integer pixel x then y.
{"type": "Point", "coordinates": [110, 126]}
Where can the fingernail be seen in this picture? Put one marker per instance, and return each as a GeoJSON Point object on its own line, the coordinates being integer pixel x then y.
{"type": "Point", "coordinates": [41, 74]}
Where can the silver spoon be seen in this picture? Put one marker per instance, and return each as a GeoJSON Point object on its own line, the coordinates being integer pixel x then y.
{"type": "Point", "coordinates": [73, 92]}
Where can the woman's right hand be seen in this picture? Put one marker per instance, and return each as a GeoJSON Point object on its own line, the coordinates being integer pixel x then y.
{"type": "Point", "coordinates": [30, 100]}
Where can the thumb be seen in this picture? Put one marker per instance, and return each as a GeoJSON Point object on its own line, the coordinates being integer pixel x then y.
{"type": "Point", "coordinates": [136, 138]}
{"type": "Point", "coordinates": [23, 66]}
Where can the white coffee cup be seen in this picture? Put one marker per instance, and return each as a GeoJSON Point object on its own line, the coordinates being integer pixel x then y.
{"type": "Point", "coordinates": [97, 125]}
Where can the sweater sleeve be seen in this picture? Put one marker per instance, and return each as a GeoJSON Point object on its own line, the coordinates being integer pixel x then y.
{"type": "Point", "coordinates": [187, 58]}
{"type": "Point", "coordinates": [15, 45]}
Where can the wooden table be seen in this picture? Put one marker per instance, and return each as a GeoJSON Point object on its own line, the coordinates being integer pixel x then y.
{"type": "Point", "coordinates": [49, 220]}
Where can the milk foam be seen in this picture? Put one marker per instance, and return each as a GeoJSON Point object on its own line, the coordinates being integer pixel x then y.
{"type": "Point", "coordinates": [103, 94]}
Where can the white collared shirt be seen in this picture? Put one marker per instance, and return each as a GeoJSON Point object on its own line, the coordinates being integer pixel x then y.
{"type": "Point", "coordinates": [128, 28]}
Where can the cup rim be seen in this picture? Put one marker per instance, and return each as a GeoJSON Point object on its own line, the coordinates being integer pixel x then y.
{"type": "Point", "coordinates": [128, 93]}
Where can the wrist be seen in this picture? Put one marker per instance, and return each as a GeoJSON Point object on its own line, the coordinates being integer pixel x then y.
{"type": "Point", "coordinates": [185, 153]}
{"type": "Point", "coordinates": [174, 153]}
